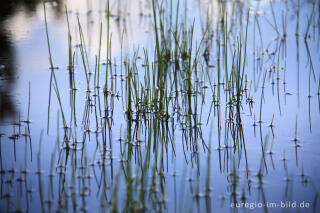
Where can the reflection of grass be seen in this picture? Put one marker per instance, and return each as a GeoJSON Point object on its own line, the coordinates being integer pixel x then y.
{"type": "Point", "coordinates": [54, 84]}
{"type": "Point", "coordinates": [164, 96]}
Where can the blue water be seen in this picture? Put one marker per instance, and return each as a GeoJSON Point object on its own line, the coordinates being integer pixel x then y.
{"type": "Point", "coordinates": [176, 177]}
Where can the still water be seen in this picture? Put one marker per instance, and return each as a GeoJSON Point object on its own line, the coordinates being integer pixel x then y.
{"type": "Point", "coordinates": [159, 106]}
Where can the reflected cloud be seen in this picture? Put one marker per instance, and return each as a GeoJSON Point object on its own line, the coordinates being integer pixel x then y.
{"type": "Point", "coordinates": [15, 24]}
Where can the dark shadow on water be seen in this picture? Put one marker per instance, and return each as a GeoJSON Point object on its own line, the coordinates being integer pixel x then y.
{"type": "Point", "coordinates": [7, 72]}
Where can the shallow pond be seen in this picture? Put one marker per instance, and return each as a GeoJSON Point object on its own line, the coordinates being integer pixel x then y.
{"type": "Point", "coordinates": [159, 106]}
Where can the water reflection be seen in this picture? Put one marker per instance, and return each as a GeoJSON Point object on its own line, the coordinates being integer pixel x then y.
{"type": "Point", "coordinates": [9, 9]}
{"type": "Point", "coordinates": [133, 130]}
{"type": "Point", "coordinates": [6, 72]}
